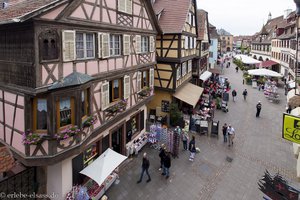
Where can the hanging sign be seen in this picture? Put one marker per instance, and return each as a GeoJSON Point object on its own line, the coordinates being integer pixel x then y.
{"type": "Point", "coordinates": [291, 128]}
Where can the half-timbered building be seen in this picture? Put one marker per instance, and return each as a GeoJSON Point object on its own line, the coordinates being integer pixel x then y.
{"type": "Point", "coordinates": [175, 50]}
{"type": "Point", "coordinates": [77, 76]}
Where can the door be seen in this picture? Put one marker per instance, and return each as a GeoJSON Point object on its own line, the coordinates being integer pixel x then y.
{"type": "Point", "coordinates": [116, 140]}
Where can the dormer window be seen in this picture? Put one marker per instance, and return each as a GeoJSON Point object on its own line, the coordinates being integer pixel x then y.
{"type": "Point", "coordinates": [48, 45]}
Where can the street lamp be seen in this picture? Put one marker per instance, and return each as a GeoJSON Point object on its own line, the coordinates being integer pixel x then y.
{"type": "Point", "coordinates": [297, 2]}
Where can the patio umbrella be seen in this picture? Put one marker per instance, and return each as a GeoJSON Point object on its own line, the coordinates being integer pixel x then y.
{"type": "Point", "coordinates": [264, 72]}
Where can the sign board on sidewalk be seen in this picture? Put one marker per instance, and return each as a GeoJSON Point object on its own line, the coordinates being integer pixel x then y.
{"type": "Point", "coordinates": [291, 128]}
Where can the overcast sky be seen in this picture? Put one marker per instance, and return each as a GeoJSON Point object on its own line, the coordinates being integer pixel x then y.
{"type": "Point", "coordinates": [243, 17]}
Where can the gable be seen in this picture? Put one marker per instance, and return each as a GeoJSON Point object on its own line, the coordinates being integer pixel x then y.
{"type": "Point", "coordinates": [190, 21]}
{"type": "Point", "coordinates": [53, 14]}
{"type": "Point", "coordinates": [124, 13]}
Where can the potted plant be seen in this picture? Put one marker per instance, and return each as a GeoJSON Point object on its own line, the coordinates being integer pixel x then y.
{"type": "Point", "coordinates": [32, 138]}
{"type": "Point", "coordinates": [69, 131]}
{"type": "Point", "coordinates": [145, 92]}
{"type": "Point", "coordinates": [120, 106]}
{"type": "Point", "coordinates": [91, 120]}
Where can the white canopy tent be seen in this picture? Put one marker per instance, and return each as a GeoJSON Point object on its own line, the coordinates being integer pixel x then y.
{"type": "Point", "coordinates": [205, 76]}
{"type": "Point", "coordinates": [103, 166]}
{"type": "Point", "coordinates": [264, 72]}
{"type": "Point", "coordinates": [246, 59]}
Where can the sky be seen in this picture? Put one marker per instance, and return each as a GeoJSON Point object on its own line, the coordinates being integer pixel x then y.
{"type": "Point", "coordinates": [243, 17]}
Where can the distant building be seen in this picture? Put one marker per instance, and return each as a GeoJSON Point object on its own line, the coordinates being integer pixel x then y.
{"type": "Point", "coordinates": [213, 48]}
{"type": "Point", "coordinates": [242, 42]}
{"type": "Point", "coordinates": [226, 43]}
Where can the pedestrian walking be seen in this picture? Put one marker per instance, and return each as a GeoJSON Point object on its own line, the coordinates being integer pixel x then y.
{"type": "Point", "coordinates": [192, 148]}
{"type": "Point", "coordinates": [245, 93]}
{"type": "Point", "coordinates": [243, 81]}
{"type": "Point", "coordinates": [231, 134]}
{"type": "Point", "coordinates": [185, 138]}
{"type": "Point", "coordinates": [145, 167]}
{"type": "Point", "coordinates": [162, 155]}
{"type": "Point", "coordinates": [234, 94]}
{"type": "Point", "coordinates": [224, 129]}
{"type": "Point", "coordinates": [258, 108]}
{"type": "Point", "coordinates": [289, 109]}
{"type": "Point", "coordinates": [167, 165]}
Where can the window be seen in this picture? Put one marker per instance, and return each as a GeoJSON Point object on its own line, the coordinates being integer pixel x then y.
{"type": "Point", "coordinates": [65, 112]}
{"type": "Point", "coordinates": [186, 42]}
{"type": "Point", "coordinates": [183, 66]}
{"type": "Point", "coordinates": [211, 55]}
{"type": "Point", "coordinates": [115, 92]}
{"type": "Point", "coordinates": [178, 73]}
{"type": "Point", "coordinates": [115, 45]}
{"type": "Point", "coordinates": [125, 6]}
{"type": "Point", "coordinates": [85, 103]}
{"type": "Point", "coordinates": [85, 45]}
{"type": "Point", "coordinates": [144, 44]}
{"type": "Point", "coordinates": [40, 114]}
{"type": "Point", "coordinates": [145, 79]}
{"type": "Point", "coordinates": [126, 45]}
{"type": "Point", "coordinates": [48, 45]}
{"type": "Point", "coordinates": [189, 66]}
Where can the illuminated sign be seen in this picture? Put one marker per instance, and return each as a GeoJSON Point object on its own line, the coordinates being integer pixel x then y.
{"type": "Point", "coordinates": [291, 128]}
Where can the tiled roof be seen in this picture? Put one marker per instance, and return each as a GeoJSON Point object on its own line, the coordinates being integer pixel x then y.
{"type": "Point", "coordinates": [173, 16]}
{"type": "Point", "coordinates": [213, 34]}
{"type": "Point", "coordinates": [201, 17]}
{"type": "Point", "coordinates": [223, 32]}
{"type": "Point", "coordinates": [73, 79]}
{"type": "Point", "coordinates": [6, 159]}
{"type": "Point", "coordinates": [21, 8]}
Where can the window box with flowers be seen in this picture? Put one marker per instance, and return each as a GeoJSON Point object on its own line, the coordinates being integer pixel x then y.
{"type": "Point", "coordinates": [91, 120]}
{"type": "Point", "coordinates": [118, 107]}
{"type": "Point", "coordinates": [68, 132]}
{"type": "Point", "coordinates": [146, 92]}
{"type": "Point", "coordinates": [32, 138]}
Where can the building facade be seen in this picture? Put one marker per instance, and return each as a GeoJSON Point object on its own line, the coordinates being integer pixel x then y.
{"type": "Point", "coordinates": [213, 48]}
{"type": "Point", "coordinates": [82, 68]}
{"type": "Point", "coordinates": [226, 41]}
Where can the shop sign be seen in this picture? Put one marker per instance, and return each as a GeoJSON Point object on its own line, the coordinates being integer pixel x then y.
{"type": "Point", "coordinates": [291, 128]}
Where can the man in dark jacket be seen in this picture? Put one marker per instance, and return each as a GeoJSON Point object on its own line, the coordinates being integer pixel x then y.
{"type": "Point", "coordinates": [233, 94]}
{"type": "Point", "coordinates": [167, 165]}
{"type": "Point", "coordinates": [258, 109]}
{"type": "Point", "coordinates": [192, 149]}
{"type": "Point", "coordinates": [145, 167]}
{"type": "Point", "coordinates": [162, 155]}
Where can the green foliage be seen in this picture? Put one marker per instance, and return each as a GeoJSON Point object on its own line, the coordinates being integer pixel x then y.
{"type": "Point", "coordinates": [175, 114]}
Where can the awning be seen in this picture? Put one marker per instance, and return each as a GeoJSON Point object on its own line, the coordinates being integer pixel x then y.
{"type": "Point", "coordinates": [292, 98]}
{"type": "Point", "coordinates": [214, 71]}
{"type": "Point", "coordinates": [103, 166]}
{"type": "Point", "coordinates": [291, 84]}
{"type": "Point", "coordinates": [267, 63]}
{"type": "Point", "coordinates": [246, 59]}
{"type": "Point", "coordinates": [205, 76]}
{"type": "Point", "coordinates": [189, 93]}
{"type": "Point", "coordinates": [264, 72]}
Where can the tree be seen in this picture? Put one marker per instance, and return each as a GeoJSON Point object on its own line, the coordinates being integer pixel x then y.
{"type": "Point", "coordinates": [175, 114]}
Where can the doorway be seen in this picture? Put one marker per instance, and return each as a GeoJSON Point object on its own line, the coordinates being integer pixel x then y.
{"type": "Point", "coordinates": [117, 140]}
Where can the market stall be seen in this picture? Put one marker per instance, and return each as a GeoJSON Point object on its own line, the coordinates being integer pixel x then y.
{"type": "Point", "coordinates": [271, 91]}
{"type": "Point", "coordinates": [102, 173]}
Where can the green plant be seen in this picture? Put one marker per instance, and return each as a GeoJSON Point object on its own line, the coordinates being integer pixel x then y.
{"type": "Point", "coordinates": [89, 121]}
{"type": "Point", "coordinates": [120, 106]}
{"type": "Point", "coordinates": [31, 138]}
{"type": "Point", "coordinates": [175, 114]}
{"type": "Point", "coordinates": [67, 132]}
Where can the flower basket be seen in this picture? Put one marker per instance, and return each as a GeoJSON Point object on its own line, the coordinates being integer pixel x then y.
{"type": "Point", "coordinates": [120, 106]}
{"type": "Point", "coordinates": [32, 138]}
{"type": "Point", "coordinates": [91, 120]}
{"type": "Point", "coordinates": [67, 133]}
{"type": "Point", "coordinates": [145, 92]}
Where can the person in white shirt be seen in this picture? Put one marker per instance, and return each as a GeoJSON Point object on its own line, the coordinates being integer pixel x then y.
{"type": "Point", "coordinates": [231, 134]}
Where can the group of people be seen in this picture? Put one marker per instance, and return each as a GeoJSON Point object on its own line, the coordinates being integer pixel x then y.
{"type": "Point", "coordinates": [228, 134]}
{"type": "Point", "coordinates": [234, 94]}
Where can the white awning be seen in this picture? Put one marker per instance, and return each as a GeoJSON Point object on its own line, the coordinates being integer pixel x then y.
{"type": "Point", "coordinates": [246, 59]}
{"type": "Point", "coordinates": [205, 76]}
{"type": "Point", "coordinates": [264, 72]}
{"type": "Point", "coordinates": [103, 166]}
{"type": "Point", "coordinates": [189, 93]}
{"type": "Point", "coordinates": [292, 98]}
{"type": "Point", "coordinates": [291, 84]}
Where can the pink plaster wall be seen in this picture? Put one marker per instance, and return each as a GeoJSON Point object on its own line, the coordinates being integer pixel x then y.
{"type": "Point", "coordinates": [113, 16]}
{"type": "Point", "coordinates": [78, 13]}
{"type": "Point", "coordinates": [92, 1]}
{"type": "Point", "coordinates": [105, 16]}
{"type": "Point", "coordinates": [1, 111]}
{"type": "Point", "coordinates": [111, 3]}
{"type": "Point", "coordinates": [10, 97]}
{"type": "Point", "coordinates": [96, 15]}
{"type": "Point", "coordinates": [119, 62]}
{"type": "Point", "coordinates": [9, 112]}
{"type": "Point", "coordinates": [103, 65]}
{"type": "Point", "coordinates": [80, 67]}
{"type": "Point", "coordinates": [154, 57]}
{"type": "Point", "coordinates": [144, 24]}
{"type": "Point", "coordinates": [67, 69]}
{"type": "Point", "coordinates": [1, 94]}
{"type": "Point", "coordinates": [134, 61]}
{"type": "Point", "coordinates": [97, 86]}
{"type": "Point", "coordinates": [8, 134]}
{"type": "Point", "coordinates": [53, 14]}
{"type": "Point", "coordinates": [44, 76]}
{"type": "Point", "coordinates": [45, 145]}
{"type": "Point", "coordinates": [88, 9]}
{"type": "Point", "coordinates": [20, 100]}
{"type": "Point", "coordinates": [19, 120]}
{"type": "Point", "coordinates": [135, 20]}
{"type": "Point", "coordinates": [150, 27]}
{"type": "Point", "coordinates": [17, 142]}
{"type": "Point", "coordinates": [92, 68]}
{"type": "Point", "coordinates": [1, 132]}
{"type": "Point", "coordinates": [111, 64]}
{"type": "Point", "coordinates": [97, 124]}
{"type": "Point", "coordinates": [128, 62]}
{"type": "Point", "coordinates": [136, 9]}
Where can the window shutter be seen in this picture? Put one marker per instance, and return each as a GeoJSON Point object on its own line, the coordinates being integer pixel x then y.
{"type": "Point", "coordinates": [138, 47]}
{"type": "Point", "coordinates": [129, 6]}
{"type": "Point", "coordinates": [68, 45]}
{"type": "Point", "coordinates": [151, 79]}
{"type": "Point", "coordinates": [122, 5]}
{"type": "Point", "coordinates": [105, 95]}
{"type": "Point", "coordinates": [152, 43]}
{"type": "Point", "coordinates": [126, 87]}
{"type": "Point", "coordinates": [189, 18]}
{"type": "Point", "coordinates": [189, 66]}
{"type": "Point", "coordinates": [194, 20]}
{"type": "Point", "coordinates": [186, 42]}
{"type": "Point", "coordinates": [126, 45]}
{"type": "Point", "coordinates": [138, 83]}
{"type": "Point", "coordinates": [178, 73]}
{"type": "Point", "coordinates": [99, 45]}
{"type": "Point", "coordinates": [195, 42]}
{"type": "Point", "coordinates": [105, 45]}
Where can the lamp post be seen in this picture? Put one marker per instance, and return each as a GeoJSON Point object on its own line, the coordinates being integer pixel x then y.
{"type": "Point", "coordinates": [297, 2]}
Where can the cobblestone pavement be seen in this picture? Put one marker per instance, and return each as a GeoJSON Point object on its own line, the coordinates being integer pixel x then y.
{"type": "Point", "coordinates": [257, 146]}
